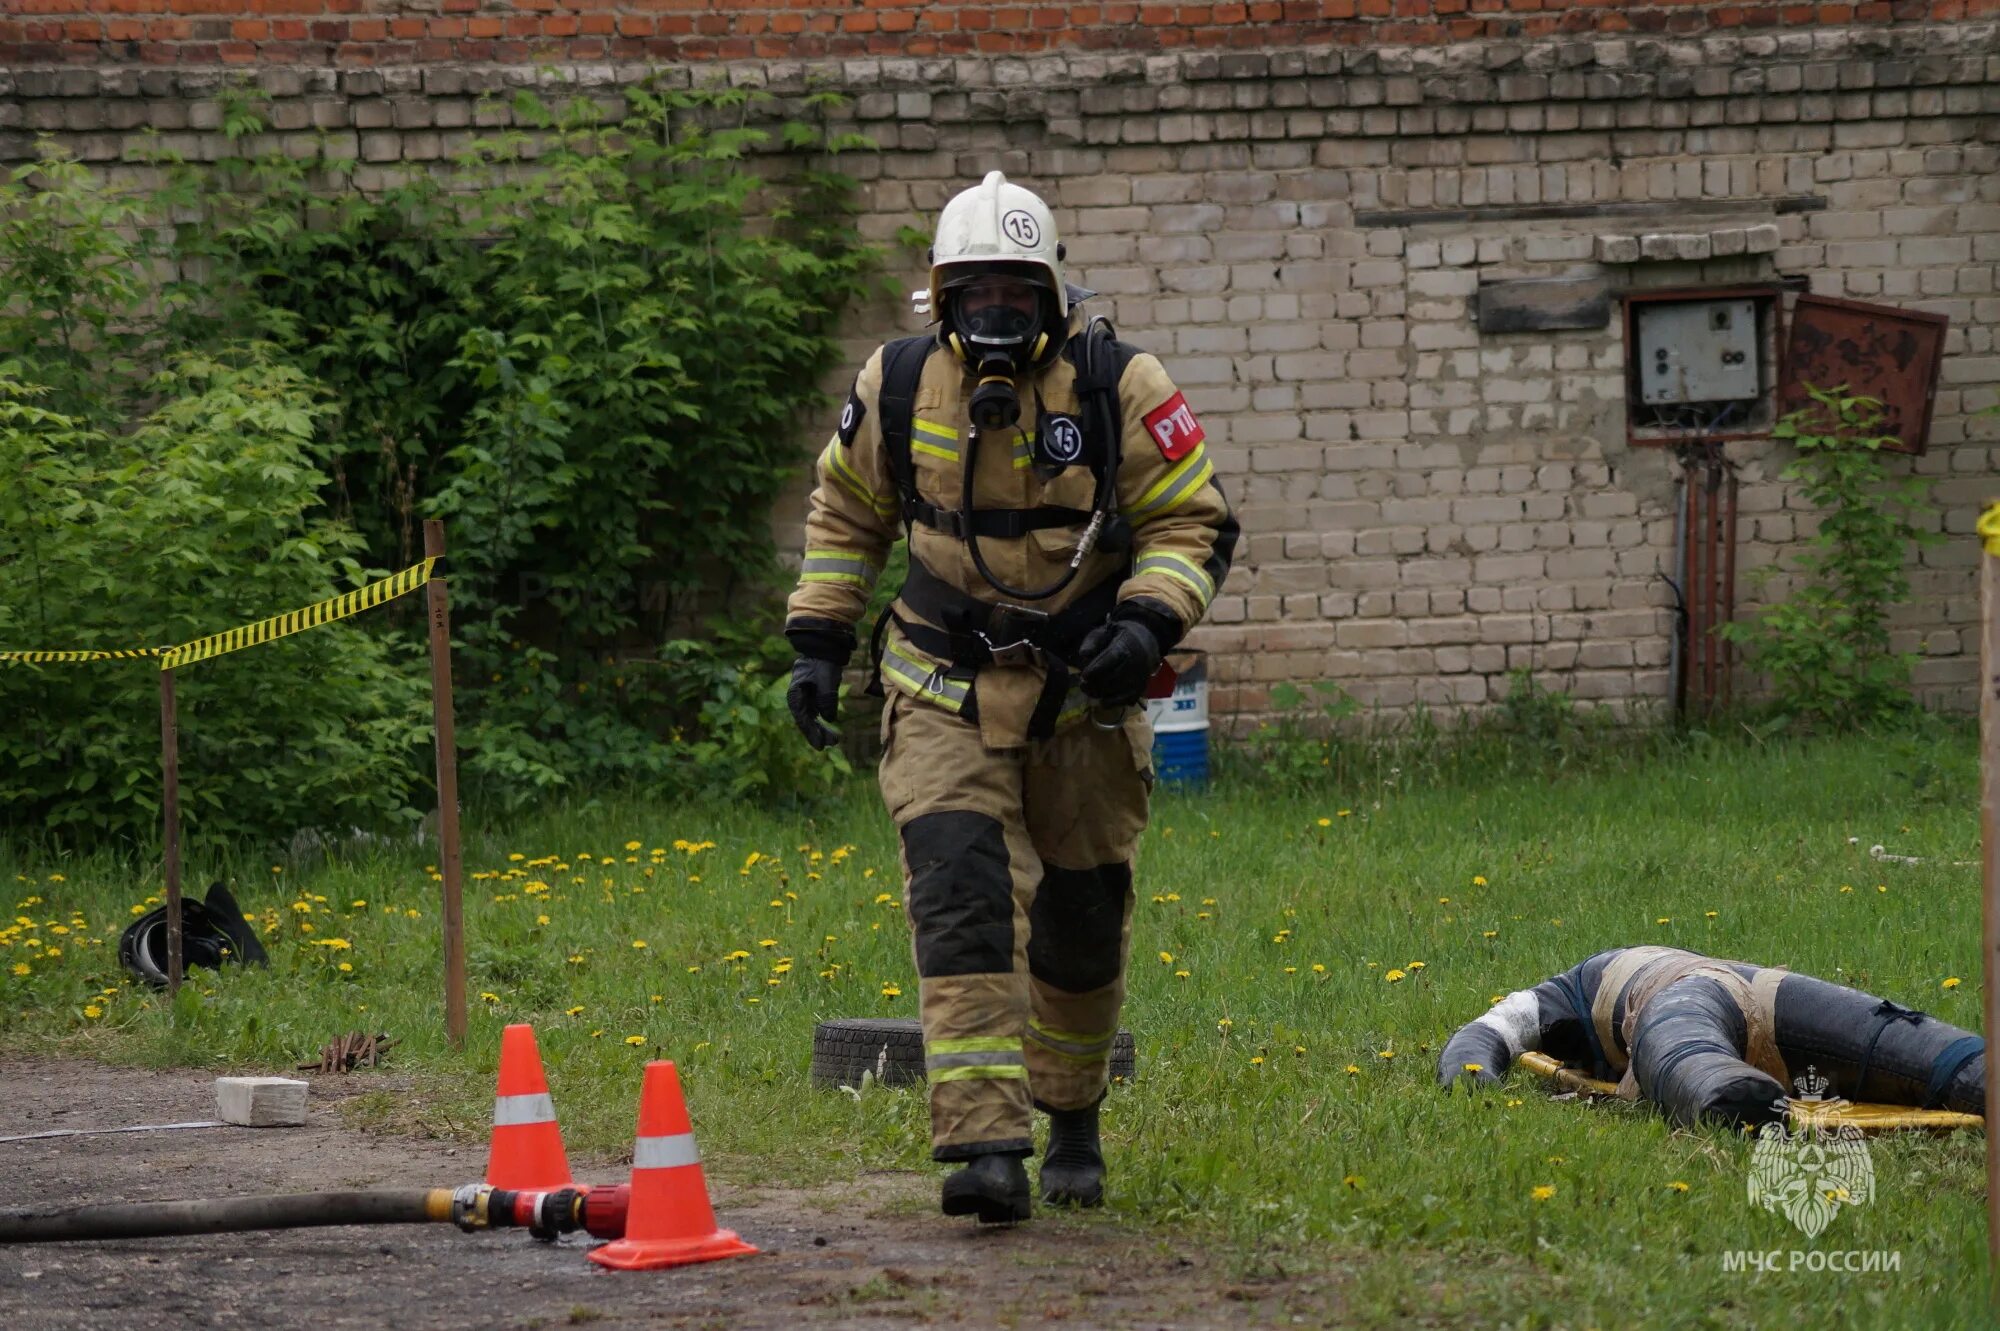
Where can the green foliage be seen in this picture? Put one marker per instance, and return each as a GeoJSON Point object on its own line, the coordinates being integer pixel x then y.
{"type": "Point", "coordinates": [584, 346]}
{"type": "Point", "coordinates": [205, 515]}
{"type": "Point", "coordinates": [1295, 747]}
{"type": "Point", "coordinates": [586, 350]}
{"type": "Point", "coordinates": [1825, 647]}
{"type": "Point", "coordinates": [75, 255]}
{"type": "Point", "coordinates": [1319, 738]}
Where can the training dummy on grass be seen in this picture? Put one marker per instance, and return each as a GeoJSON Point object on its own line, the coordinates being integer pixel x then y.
{"type": "Point", "coordinates": [1065, 529]}
{"type": "Point", "coordinates": [1721, 1041]}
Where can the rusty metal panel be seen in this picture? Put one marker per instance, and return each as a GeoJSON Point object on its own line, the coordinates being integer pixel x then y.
{"type": "Point", "coordinates": [1877, 351]}
{"type": "Point", "coordinates": [1540, 304]}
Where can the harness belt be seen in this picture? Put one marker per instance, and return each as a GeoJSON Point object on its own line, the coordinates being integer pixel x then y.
{"type": "Point", "coordinates": [976, 633]}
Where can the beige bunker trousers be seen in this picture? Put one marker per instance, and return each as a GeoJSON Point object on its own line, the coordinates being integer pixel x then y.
{"type": "Point", "coordinates": [1017, 873]}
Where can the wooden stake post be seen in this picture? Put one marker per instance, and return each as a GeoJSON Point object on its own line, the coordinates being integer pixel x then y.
{"type": "Point", "coordinates": [1989, 836]}
{"type": "Point", "coordinates": [170, 816]}
{"type": "Point", "coordinates": [449, 862]}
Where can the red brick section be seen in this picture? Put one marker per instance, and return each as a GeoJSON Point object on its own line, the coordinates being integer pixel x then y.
{"type": "Point", "coordinates": [372, 32]}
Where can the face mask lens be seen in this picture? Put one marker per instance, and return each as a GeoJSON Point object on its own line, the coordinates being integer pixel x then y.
{"type": "Point", "coordinates": [997, 313]}
{"type": "Point", "coordinates": [997, 324]}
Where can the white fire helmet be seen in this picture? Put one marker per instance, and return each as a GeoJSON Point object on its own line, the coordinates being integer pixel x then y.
{"type": "Point", "coordinates": [993, 225]}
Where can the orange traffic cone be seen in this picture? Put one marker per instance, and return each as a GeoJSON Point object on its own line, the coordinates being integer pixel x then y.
{"type": "Point", "coordinates": [670, 1222]}
{"type": "Point", "coordinates": [527, 1150]}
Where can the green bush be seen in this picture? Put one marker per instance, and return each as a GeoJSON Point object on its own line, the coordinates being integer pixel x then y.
{"type": "Point", "coordinates": [587, 349]}
{"type": "Point", "coordinates": [204, 516]}
{"type": "Point", "coordinates": [584, 346]}
{"type": "Point", "coordinates": [1825, 648]}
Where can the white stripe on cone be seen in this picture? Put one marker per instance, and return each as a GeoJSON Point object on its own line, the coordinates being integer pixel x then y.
{"type": "Point", "coordinates": [665, 1152]}
{"type": "Point", "coordinates": [513, 1111]}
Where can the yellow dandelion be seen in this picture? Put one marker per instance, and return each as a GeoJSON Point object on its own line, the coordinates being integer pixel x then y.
{"type": "Point", "coordinates": [634, 845]}
{"type": "Point", "coordinates": [1951, 982]}
{"type": "Point", "coordinates": [1474, 1067]}
{"type": "Point", "coordinates": [1678, 1186]}
{"type": "Point", "coordinates": [1326, 822]}
{"type": "Point", "coordinates": [1352, 1069]}
{"type": "Point", "coordinates": [1166, 958]}
{"type": "Point", "coordinates": [1256, 1060]}
{"type": "Point", "coordinates": [635, 1040]}
{"type": "Point", "coordinates": [1180, 975]}
{"type": "Point", "coordinates": [347, 966]}
{"type": "Point", "coordinates": [1543, 1191]}
{"type": "Point", "coordinates": [891, 991]}
{"type": "Point", "coordinates": [1353, 1181]}
{"type": "Point", "coordinates": [1479, 880]}
{"type": "Point", "coordinates": [489, 998]}
{"type": "Point", "coordinates": [1391, 976]}
{"type": "Point", "coordinates": [576, 1011]}
{"type": "Point", "coordinates": [92, 1011]}
{"type": "Point", "coordinates": [765, 942]}
{"type": "Point", "coordinates": [639, 943]}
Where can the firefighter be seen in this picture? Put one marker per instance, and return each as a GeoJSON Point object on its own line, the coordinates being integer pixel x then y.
{"type": "Point", "coordinates": [1065, 530]}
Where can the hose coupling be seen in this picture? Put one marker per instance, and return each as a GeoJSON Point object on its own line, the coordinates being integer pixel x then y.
{"type": "Point", "coordinates": [470, 1207]}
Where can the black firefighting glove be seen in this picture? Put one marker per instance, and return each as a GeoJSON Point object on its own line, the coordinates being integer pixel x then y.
{"type": "Point", "coordinates": [1119, 656]}
{"type": "Point", "coordinates": [823, 646]}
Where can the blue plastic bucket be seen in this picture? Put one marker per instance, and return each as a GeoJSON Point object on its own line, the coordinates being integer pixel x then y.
{"type": "Point", "coordinates": [1180, 725]}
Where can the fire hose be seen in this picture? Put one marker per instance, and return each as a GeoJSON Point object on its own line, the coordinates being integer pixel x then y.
{"type": "Point", "coordinates": [600, 1212]}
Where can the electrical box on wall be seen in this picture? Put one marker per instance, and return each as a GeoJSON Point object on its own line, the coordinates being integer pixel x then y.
{"type": "Point", "coordinates": [1701, 363]}
{"type": "Point", "coordinates": [1699, 351]}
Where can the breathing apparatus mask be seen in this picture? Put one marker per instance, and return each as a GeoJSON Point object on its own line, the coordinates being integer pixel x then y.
{"type": "Point", "coordinates": [998, 324]}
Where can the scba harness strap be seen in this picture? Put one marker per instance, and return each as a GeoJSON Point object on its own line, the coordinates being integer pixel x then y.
{"type": "Point", "coordinates": [975, 632]}
{"type": "Point", "coordinates": [1100, 360]}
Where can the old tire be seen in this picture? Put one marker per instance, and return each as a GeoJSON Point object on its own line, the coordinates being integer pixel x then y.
{"type": "Point", "coordinates": [892, 1048]}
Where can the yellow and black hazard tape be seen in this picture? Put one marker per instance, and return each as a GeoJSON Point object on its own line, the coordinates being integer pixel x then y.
{"type": "Point", "coordinates": [250, 635]}
{"type": "Point", "coordinates": [298, 621]}
{"type": "Point", "coordinates": [37, 658]}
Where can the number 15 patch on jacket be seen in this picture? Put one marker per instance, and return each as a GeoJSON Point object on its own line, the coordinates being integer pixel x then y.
{"type": "Point", "coordinates": [1174, 428]}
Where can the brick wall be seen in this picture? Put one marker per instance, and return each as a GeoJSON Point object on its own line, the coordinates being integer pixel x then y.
{"type": "Point", "coordinates": [1300, 234]}
{"type": "Point", "coordinates": [353, 32]}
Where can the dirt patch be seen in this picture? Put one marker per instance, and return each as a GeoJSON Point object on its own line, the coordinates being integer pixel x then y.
{"type": "Point", "coordinates": [871, 1254]}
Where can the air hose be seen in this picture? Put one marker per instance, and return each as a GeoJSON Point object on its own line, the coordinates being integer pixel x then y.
{"type": "Point", "coordinates": [599, 1211]}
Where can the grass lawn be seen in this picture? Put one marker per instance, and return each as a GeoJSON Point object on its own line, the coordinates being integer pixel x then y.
{"type": "Point", "coordinates": [1297, 961]}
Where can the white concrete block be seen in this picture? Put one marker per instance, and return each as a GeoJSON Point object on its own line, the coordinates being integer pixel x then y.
{"type": "Point", "coordinates": [261, 1102]}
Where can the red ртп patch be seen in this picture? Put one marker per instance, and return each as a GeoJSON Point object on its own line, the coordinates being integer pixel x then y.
{"type": "Point", "coordinates": [1174, 428]}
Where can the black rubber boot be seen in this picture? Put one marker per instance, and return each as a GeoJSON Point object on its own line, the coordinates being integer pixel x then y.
{"type": "Point", "coordinates": [993, 1187]}
{"type": "Point", "coordinates": [1073, 1166]}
